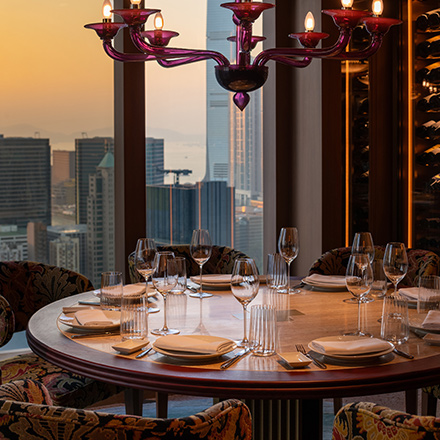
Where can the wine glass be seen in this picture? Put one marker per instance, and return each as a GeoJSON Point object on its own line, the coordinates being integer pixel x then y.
{"type": "Point", "coordinates": [201, 249]}
{"type": "Point", "coordinates": [362, 244]}
{"type": "Point", "coordinates": [144, 262]}
{"type": "Point", "coordinates": [244, 285]}
{"type": "Point", "coordinates": [288, 247]}
{"type": "Point", "coordinates": [164, 279]}
{"type": "Point", "coordinates": [359, 279]}
{"type": "Point", "coordinates": [395, 263]}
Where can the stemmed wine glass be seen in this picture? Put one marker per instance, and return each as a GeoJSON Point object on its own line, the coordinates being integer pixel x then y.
{"type": "Point", "coordinates": [244, 285]}
{"type": "Point", "coordinates": [165, 279]}
{"type": "Point", "coordinates": [288, 247]}
{"type": "Point", "coordinates": [359, 279]}
{"type": "Point", "coordinates": [395, 263]}
{"type": "Point", "coordinates": [201, 249]}
{"type": "Point", "coordinates": [144, 262]}
{"type": "Point", "coordinates": [362, 244]}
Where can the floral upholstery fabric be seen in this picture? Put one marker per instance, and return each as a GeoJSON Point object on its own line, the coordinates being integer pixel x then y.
{"type": "Point", "coordinates": [7, 322]}
{"type": "Point", "coordinates": [20, 420]}
{"type": "Point", "coordinates": [221, 261]}
{"type": "Point", "coordinates": [420, 263]}
{"type": "Point", "coordinates": [27, 286]}
{"type": "Point", "coordinates": [368, 421]}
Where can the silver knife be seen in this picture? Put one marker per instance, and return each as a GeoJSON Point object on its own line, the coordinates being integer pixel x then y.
{"type": "Point", "coordinates": [94, 335]}
{"type": "Point", "coordinates": [403, 354]}
{"type": "Point", "coordinates": [316, 362]}
{"type": "Point", "coordinates": [144, 353]}
{"type": "Point", "coordinates": [237, 357]}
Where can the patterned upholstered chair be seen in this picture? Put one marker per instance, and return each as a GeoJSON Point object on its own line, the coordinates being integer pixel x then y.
{"type": "Point", "coordinates": [25, 287]}
{"type": "Point", "coordinates": [420, 263]}
{"type": "Point", "coordinates": [221, 261]}
{"type": "Point", "coordinates": [26, 412]}
{"type": "Point", "coordinates": [368, 421]}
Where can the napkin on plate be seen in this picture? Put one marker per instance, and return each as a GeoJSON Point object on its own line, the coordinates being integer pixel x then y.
{"type": "Point", "coordinates": [213, 278]}
{"type": "Point", "coordinates": [327, 279]}
{"type": "Point", "coordinates": [351, 347]}
{"type": "Point", "coordinates": [432, 320]}
{"type": "Point", "coordinates": [94, 317]}
{"type": "Point", "coordinates": [409, 292]}
{"type": "Point", "coordinates": [199, 344]}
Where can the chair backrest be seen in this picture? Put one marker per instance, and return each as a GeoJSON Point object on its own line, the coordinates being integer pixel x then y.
{"type": "Point", "coordinates": [26, 412]}
{"type": "Point", "coordinates": [221, 261]}
{"type": "Point", "coordinates": [368, 421]}
{"type": "Point", "coordinates": [28, 286]}
{"type": "Point", "coordinates": [420, 263]}
{"type": "Point", "coordinates": [7, 321]}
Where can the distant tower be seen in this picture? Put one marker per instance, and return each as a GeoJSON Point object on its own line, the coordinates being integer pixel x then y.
{"type": "Point", "coordinates": [63, 166]}
{"type": "Point", "coordinates": [64, 252]}
{"type": "Point", "coordinates": [25, 181]}
{"type": "Point", "coordinates": [88, 155]}
{"type": "Point", "coordinates": [100, 220]}
{"type": "Point", "coordinates": [154, 159]}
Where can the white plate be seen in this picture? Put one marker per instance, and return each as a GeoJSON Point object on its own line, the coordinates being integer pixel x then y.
{"type": "Point", "coordinates": [70, 320]}
{"type": "Point", "coordinates": [195, 356]}
{"type": "Point", "coordinates": [416, 321]}
{"type": "Point", "coordinates": [349, 357]}
{"type": "Point", "coordinates": [323, 286]}
{"type": "Point", "coordinates": [219, 282]}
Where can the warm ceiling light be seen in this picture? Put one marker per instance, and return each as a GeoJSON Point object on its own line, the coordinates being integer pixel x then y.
{"type": "Point", "coordinates": [377, 7]}
{"type": "Point", "coordinates": [309, 22]}
{"type": "Point", "coordinates": [107, 9]}
{"type": "Point", "coordinates": [158, 21]}
{"type": "Point", "coordinates": [347, 4]}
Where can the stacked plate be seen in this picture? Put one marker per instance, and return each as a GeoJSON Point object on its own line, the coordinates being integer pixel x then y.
{"type": "Point", "coordinates": [326, 282]}
{"type": "Point", "coordinates": [351, 348]}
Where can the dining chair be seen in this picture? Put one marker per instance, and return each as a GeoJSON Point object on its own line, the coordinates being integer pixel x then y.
{"type": "Point", "coordinates": [25, 287]}
{"type": "Point", "coordinates": [368, 421]}
{"type": "Point", "coordinates": [27, 411]}
{"type": "Point", "coordinates": [420, 263]}
{"type": "Point", "coordinates": [221, 261]}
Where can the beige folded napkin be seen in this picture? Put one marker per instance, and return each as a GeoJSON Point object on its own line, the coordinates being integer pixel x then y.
{"type": "Point", "coordinates": [337, 280]}
{"type": "Point", "coordinates": [73, 309]}
{"type": "Point", "coordinates": [351, 347]}
{"type": "Point", "coordinates": [409, 292]}
{"type": "Point", "coordinates": [432, 320]}
{"type": "Point", "coordinates": [94, 317]}
{"type": "Point", "coordinates": [134, 289]}
{"type": "Point", "coordinates": [194, 344]}
{"type": "Point", "coordinates": [213, 278]}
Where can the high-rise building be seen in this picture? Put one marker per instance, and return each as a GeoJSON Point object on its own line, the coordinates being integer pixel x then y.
{"type": "Point", "coordinates": [100, 220]}
{"type": "Point", "coordinates": [173, 211]}
{"type": "Point", "coordinates": [63, 166]}
{"type": "Point", "coordinates": [88, 155]}
{"type": "Point", "coordinates": [25, 181]}
{"type": "Point", "coordinates": [64, 252]}
{"type": "Point", "coordinates": [13, 243]}
{"type": "Point", "coordinates": [74, 233]}
{"type": "Point", "coordinates": [154, 160]}
{"type": "Point", "coordinates": [37, 242]}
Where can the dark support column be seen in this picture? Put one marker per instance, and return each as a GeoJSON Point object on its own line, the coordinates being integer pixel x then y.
{"type": "Point", "coordinates": [130, 203]}
{"type": "Point", "coordinates": [310, 419]}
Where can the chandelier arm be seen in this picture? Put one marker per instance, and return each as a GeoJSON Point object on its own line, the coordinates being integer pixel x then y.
{"type": "Point", "coordinates": [374, 46]}
{"type": "Point", "coordinates": [125, 57]}
{"type": "Point", "coordinates": [344, 38]}
{"type": "Point", "coordinates": [181, 61]}
{"type": "Point", "coordinates": [172, 52]}
{"type": "Point", "coordinates": [292, 61]}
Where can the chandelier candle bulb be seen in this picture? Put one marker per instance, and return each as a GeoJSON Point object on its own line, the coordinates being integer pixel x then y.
{"type": "Point", "coordinates": [347, 4]}
{"type": "Point", "coordinates": [377, 8]}
{"type": "Point", "coordinates": [107, 11]}
{"type": "Point", "coordinates": [135, 4]}
{"type": "Point", "coordinates": [309, 22]}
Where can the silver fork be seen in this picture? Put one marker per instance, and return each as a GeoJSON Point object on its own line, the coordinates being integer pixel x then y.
{"type": "Point", "coordinates": [302, 350]}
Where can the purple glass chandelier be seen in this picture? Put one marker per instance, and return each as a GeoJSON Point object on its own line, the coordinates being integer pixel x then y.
{"type": "Point", "coordinates": [245, 74]}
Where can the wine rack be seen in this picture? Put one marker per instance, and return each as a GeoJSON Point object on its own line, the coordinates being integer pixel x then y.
{"type": "Point", "coordinates": [426, 111]}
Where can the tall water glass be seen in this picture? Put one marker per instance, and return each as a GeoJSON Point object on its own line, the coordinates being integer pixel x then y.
{"type": "Point", "coordinates": [288, 247]}
{"type": "Point", "coordinates": [111, 290]}
{"type": "Point", "coordinates": [244, 285]}
{"type": "Point", "coordinates": [134, 313]}
{"type": "Point", "coordinates": [429, 294]}
{"type": "Point", "coordinates": [395, 263]}
{"type": "Point", "coordinates": [144, 261]}
{"type": "Point", "coordinates": [201, 249]}
{"type": "Point", "coordinates": [164, 280]}
{"type": "Point", "coordinates": [276, 272]}
{"type": "Point", "coordinates": [358, 279]}
{"type": "Point", "coordinates": [181, 276]}
{"type": "Point", "coordinates": [380, 283]}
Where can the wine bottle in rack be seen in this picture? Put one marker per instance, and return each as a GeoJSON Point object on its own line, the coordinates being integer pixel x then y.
{"type": "Point", "coordinates": [431, 156]}
{"type": "Point", "coordinates": [435, 182]}
{"type": "Point", "coordinates": [429, 103]}
{"type": "Point", "coordinates": [430, 73]}
{"type": "Point", "coordinates": [426, 130]}
{"type": "Point", "coordinates": [430, 47]}
{"type": "Point", "coordinates": [422, 21]}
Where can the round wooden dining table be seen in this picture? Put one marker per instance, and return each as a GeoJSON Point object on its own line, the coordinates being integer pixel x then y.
{"type": "Point", "coordinates": [301, 318]}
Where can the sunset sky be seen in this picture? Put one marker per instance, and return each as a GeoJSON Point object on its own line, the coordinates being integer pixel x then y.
{"type": "Point", "coordinates": [57, 80]}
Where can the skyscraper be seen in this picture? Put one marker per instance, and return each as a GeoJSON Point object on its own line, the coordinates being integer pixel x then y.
{"type": "Point", "coordinates": [63, 166]}
{"type": "Point", "coordinates": [154, 159]}
{"type": "Point", "coordinates": [64, 252]}
{"type": "Point", "coordinates": [25, 181]}
{"type": "Point", "coordinates": [100, 220]}
{"type": "Point", "coordinates": [88, 155]}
